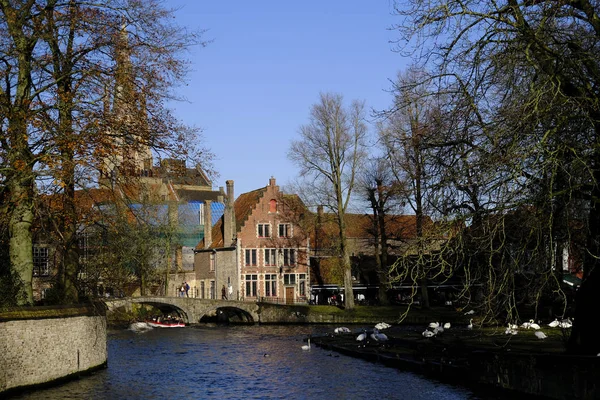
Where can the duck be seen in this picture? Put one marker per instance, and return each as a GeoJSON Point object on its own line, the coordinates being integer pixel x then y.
{"type": "Point", "coordinates": [306, 346]}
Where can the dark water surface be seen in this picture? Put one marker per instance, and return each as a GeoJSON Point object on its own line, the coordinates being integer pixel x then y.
{"type": "Point", "coordinates": [240, 362]}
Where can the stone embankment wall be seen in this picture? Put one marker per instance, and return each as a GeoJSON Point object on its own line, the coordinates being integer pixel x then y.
{"type": "Point", "coordinates": [38, 347]}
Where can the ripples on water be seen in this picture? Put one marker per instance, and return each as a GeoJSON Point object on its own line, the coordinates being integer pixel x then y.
{"type": "Point", "coordinates": [240, 362]}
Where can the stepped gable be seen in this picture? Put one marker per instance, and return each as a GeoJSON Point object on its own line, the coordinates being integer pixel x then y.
{"type": "Point", "coordinates": [243, 207]}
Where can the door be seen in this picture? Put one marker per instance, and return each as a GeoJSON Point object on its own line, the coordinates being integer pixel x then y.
{"type": "Point", "coordinates": [289, 295]}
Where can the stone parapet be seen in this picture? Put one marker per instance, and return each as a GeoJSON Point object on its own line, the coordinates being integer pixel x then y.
{"type": "Point", "coordinates": [40, 350]}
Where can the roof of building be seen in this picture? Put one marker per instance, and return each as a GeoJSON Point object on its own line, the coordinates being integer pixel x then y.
{"type": "Point", "coordinates": [401, 227]}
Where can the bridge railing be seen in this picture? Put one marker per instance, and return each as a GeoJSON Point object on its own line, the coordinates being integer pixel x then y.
{"type": "Point", "coordinates": [281, 300]}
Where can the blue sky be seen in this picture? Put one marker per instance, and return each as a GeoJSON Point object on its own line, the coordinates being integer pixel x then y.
{"type": "Point", "coordinates": [251, 89]}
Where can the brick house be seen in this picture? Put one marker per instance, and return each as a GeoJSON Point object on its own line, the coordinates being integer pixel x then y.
{"type": "Point", "coordinates": [258, 250]}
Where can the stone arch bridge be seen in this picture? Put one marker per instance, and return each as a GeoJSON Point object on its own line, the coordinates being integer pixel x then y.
{"type": "Point", "coordinates": [192, 310]}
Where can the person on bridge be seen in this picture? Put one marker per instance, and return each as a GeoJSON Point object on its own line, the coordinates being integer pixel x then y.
{"type": "Point", "coordinates": [187, 289]}
{"type": "Point", "coordinates": [224, 293]}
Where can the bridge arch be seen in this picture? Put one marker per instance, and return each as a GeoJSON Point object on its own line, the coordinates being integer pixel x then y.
{"type": "Point", "coordinates": [193, 310]}
{"type": "Point", "coordinates": [227, 314]}
{"type": "Point", "coordinates": [168, 309]}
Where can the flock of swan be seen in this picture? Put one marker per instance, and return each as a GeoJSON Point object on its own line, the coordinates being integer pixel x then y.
{"type": "Point", "coordinates": [436, 328]}
{"type": "Point", "coordinates": [373, 334]}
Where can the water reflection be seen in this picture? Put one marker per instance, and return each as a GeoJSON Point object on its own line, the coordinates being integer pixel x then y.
{"type": "Point", "coordinates": [240, 362]}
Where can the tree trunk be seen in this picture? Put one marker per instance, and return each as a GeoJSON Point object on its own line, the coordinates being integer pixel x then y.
{"type": "Point", "coordinates": [21, 241]}
{"type": "Point", "coordinates": [345, 255]}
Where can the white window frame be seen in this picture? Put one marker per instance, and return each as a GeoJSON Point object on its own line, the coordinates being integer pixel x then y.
{"type": "Point", "coordinates": [266, 230]}
{"type": "Point", "coordinates": [41, 261]}
{"type": "Point", "coordinates": [271, 255]}
{"type": "Point", "coordinates": [287, 230]}
{"type": "Point", "coordinates": [250, 258]}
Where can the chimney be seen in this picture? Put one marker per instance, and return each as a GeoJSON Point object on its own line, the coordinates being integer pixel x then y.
{"type": "Point", "coordinates": [272, 181]}
{"type": "Point", "coordinates": [207, 224]}
{"type": "Point", "coordinates": [229, 228]}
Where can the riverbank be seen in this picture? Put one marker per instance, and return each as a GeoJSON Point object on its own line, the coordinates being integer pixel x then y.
{"type": "Point", "coordinates": [521, 364]}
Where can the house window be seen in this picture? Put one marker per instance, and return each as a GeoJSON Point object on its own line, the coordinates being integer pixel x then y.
{"type": "Point", "coordinates": [202, 289]}
{"type": "Point", "coordinates": [84, 249]}
{"type": "Point", "coordinates": [273, 206]}
{"type": "Point", "coordinates": [40, 261]}
{"type": "Point", "coordinates": [212, 262]}
{"type": "Point", "coordinates": [271, 285]}
{"type": "Point", "coordinates": [289, 279]}
{"type": "Point", "coordinates": [213, 291]}
{"type": "Point", "coordinates": [302, 282]}
{"type": "Point", "coordinates": [285, 230]}
{"type": "Point", "coordinates": [250, 257]}
{"type": "Point", "coordinates": [251, 285]}
{"type": "Point", "coordinates": [270, 257]}
{"type": "Point", "coordinates": [289, 257]}
{"type": "Point", "coordinates": [264, 230]}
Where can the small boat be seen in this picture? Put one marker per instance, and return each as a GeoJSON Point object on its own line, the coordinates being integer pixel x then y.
{"type": "Point", "coordinates": [166, 324]}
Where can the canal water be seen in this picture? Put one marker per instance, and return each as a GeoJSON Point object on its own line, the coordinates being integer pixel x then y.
{"type": "Point", "coordinates": [240, 362]}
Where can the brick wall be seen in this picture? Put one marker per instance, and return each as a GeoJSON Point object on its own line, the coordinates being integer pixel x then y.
{"type": "Point", "coordinates": [37, 351]}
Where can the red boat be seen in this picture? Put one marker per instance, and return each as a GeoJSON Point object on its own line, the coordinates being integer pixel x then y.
{"type": "Point", "coordinates": [166, 324]}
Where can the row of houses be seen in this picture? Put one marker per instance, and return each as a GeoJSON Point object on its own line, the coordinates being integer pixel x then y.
{"type": "Point", "coordinates": [264, 244]}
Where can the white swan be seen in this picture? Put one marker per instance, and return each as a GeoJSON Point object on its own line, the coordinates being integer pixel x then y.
{"type": "Point", "coordinates": [554, 323]}
{"type": "Point", "coordinates": [470, 312]}
{"type": "Point", "coordinates": [382, 325]}
{"type": "Point", "coordinates": [510, 330]}
{"type": "Point", "coordinates": [342, 329]}
{"type": "Point", "coordinates": [439, 329]}
{"type": "Point", "coordinates": [378, 336]}
{"type": "Point", "coordinates": [447, 325]}
{"type": "Point", "coordinates": [533, 325]}
{"type": "Point", "coordinates": [470, 326]}
{"type": "Point", "coordinates": [361, 337]}
{"type": "Point", "coordinates": [565, 323]}
{"type": "Point", "coordinates": [306, 346]}
{"type": "Point", "coordinates": [434, 325]}
{"type": "Point", "coordinates": [540, 335]}
{"type": "Point", "coordinates": [428, 334]}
